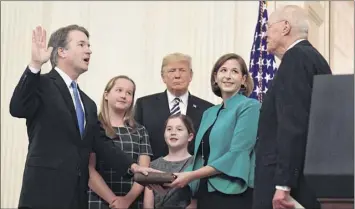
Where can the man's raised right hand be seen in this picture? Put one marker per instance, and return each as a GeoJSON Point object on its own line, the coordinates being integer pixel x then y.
{"type": "Point", "coordinates": [40, 52]}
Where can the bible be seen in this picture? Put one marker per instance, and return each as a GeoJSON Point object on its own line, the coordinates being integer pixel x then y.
{"type": "Point", "coordinates": [154, 178]}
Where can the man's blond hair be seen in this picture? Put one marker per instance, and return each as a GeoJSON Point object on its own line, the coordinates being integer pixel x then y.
{"type": "Point", "coordinates": [175, 57]}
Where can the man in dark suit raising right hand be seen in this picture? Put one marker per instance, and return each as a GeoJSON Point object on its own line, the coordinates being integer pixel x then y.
{"type": "Point", "coordinates": [62, 124]}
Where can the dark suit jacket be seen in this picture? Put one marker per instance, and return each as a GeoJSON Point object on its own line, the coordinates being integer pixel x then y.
{"type": "Point", "coordinates": [283, 127]}
{"type": "Point", "coordinates": [152, 111]}
{"type": "Point", "coordinates": [56, 168]}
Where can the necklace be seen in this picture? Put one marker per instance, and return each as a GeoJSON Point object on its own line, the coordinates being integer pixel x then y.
{"type": "Point", "coordinates": [203, 156]}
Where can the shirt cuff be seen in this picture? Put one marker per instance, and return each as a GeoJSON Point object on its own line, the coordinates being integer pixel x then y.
{"type": "Point", "coordinates": [283, 188]}
{"type": "Point", "coordinates": [33, 70]}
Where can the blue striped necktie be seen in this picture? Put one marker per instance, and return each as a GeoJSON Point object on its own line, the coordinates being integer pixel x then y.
{"type": "Point", "coordinates": [176, 108]}
{"type": "Point", "coordinates": [78, 108]}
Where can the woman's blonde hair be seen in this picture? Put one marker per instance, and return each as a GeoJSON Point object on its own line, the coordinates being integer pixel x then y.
{"type": "Point", "coordinates": [104, 116]}
{"type": "Point", "coordinates": [249, 83]}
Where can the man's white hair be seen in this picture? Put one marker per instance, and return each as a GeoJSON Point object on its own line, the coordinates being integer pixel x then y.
{"type": "Point", "coordinates": [297, 18]}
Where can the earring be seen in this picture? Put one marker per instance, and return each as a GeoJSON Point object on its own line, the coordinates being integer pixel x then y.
{"type": "Point", "coordinates": [243, 88]}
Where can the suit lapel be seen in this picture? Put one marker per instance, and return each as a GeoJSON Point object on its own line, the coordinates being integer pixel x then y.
{"type": "Point", "coordinates": [205, 124]}
{"type": "Point", "coordinates": [59, 82]}
{"type": "Point", "coordinates": [192, 108]}
{"type": "Point", "coordinates": [163, 105]}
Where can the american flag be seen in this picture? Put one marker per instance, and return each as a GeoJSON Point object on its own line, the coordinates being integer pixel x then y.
{"type": "Point", "coordinates": [262, 65]}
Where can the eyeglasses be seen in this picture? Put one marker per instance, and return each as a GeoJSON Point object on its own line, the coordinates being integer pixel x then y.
{"type": "Point", "coordinates": [269, 26]}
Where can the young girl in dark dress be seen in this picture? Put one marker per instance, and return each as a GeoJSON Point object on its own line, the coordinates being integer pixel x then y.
{"type": "Point", "coordinates": [108, 189]}
{"type": "Point", "coordinates": [179, 132]}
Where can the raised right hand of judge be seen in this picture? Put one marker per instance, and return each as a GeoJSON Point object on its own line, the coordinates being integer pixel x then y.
{"type": "Point", "coordinates": [40, 53]}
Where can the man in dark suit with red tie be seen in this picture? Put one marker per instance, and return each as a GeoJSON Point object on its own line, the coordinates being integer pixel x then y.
{"type": "Point", "coordinates": [152, 111]}
{"type": "Point", "coordinates": [284, 115]}
{"type": "Point", "coordinates": [62, 124]}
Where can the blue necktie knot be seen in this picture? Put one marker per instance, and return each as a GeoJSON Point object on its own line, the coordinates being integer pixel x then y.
{"type": "Point", "coordinates": [74, 85]}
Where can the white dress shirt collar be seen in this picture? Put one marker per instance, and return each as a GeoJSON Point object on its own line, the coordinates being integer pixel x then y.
{"type": "Point", "coordinates": [183, 97]}
{"type": "Point", "coordinates": [294, 43]}
{"type": "Point", "coordinates": [65, 77]}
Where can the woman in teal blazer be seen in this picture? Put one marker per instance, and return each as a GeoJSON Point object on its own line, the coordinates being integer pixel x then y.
{"type": "Point", "coordinates": [222, 172]}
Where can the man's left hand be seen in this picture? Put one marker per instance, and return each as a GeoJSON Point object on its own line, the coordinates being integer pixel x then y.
{"type": "Point", "coordinates": [280, 200]}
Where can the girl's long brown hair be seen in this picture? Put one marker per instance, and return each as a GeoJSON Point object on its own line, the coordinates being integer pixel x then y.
{"type": "Point", "coordinates": [104, 116]}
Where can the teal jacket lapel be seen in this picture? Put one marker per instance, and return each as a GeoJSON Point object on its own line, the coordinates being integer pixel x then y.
{"type": "Point", "coordinates": [207, 120]}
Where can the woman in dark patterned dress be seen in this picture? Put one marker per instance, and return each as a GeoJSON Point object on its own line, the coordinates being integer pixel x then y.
{"type": "Point", "coordinates": [108, 189]}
